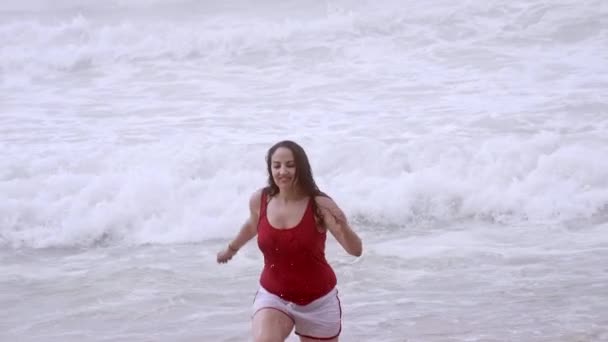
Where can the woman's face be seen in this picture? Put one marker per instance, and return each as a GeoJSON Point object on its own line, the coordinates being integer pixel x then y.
{"type": "Point", "coordinates": [283, 166]}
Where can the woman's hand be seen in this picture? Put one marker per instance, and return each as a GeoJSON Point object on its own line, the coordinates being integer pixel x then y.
{"type": "Point", "coordinates": [225, 255]}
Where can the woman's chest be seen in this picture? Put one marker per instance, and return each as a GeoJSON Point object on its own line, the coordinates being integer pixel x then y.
{"type": "Point", "coordinates": [286, 216]}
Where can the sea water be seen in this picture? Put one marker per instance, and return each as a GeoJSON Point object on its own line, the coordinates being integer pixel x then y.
{"type": "Point", "coordinates": [467, 142]}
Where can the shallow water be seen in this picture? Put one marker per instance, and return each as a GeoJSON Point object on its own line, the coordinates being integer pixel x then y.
{"type": "Point", "coordinates": [447, 284]}
{"type": "Point", "coordinates": [467, 143]}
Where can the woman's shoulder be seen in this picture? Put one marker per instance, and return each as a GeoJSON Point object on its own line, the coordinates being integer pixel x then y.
{"type": "Point", "coordinates": [256, 197]}
{"type": "Point", "coordinates": [323, 201]}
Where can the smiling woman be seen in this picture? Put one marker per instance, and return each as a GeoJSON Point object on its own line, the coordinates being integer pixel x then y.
{"type": "Point", "coordinates": [283, 167]}
{"type": "Point", "coordinates": [291, 216]}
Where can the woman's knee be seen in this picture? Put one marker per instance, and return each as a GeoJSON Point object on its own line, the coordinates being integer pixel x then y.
{"type": "Point", "coordinates": [268, 339]}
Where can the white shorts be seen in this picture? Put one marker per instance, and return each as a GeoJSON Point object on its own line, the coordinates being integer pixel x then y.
{"type": "Point", "coordinates": [320, 319]}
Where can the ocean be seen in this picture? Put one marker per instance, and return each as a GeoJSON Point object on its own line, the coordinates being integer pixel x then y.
{"type": "Point", "coordinates": [467, 142]}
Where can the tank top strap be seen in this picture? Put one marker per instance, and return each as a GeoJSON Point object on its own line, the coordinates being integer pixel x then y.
{"type": "Point", "coordinates": [311, 212]}
{"type": "Point", "coordinates": [263, 203]}
{"type": "Point", "coordinates": [310, 207]}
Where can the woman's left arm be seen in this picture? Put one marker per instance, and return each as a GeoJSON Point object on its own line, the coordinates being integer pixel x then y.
{"type": "Point", "coordinates": [335, 221]}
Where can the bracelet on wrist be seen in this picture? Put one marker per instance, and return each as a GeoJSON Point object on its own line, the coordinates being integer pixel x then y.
{"type": "Point", "coordinates": [232, 249]}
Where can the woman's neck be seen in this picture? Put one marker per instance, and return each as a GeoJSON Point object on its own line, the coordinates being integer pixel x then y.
{"type": "Point", "coordinates": [290, 195]}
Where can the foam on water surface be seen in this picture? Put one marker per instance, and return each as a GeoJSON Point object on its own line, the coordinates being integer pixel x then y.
{"type": "Point", "coordinates": [467, 143]}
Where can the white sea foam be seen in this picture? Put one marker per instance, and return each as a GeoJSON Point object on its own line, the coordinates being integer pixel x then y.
{"type": "Point", "coordinates": [121, 127]}
{"type": "Point", "coordinates": [466, 141]}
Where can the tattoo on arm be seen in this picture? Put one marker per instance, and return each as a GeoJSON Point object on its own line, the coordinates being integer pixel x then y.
{"type": "Point", "coordinates": [338, 215]}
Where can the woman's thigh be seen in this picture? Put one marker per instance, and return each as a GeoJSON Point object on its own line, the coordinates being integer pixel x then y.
{"type": "Point", "coordinates": [270, 325]}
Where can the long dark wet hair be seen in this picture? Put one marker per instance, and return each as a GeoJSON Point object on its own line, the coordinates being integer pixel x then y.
{"type": "Point", "coordinates": [304, 177]}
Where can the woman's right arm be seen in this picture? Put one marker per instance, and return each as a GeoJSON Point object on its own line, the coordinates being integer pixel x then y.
{"type": "Point", "coordinates": [248, 230]}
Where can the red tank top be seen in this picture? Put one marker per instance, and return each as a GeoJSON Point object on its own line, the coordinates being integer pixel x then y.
{"type": "Point", "coordinates": [295, 267]}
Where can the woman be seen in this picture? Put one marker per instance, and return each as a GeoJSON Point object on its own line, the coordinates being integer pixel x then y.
{"type": "Point", "coordinates": [290, 217]}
